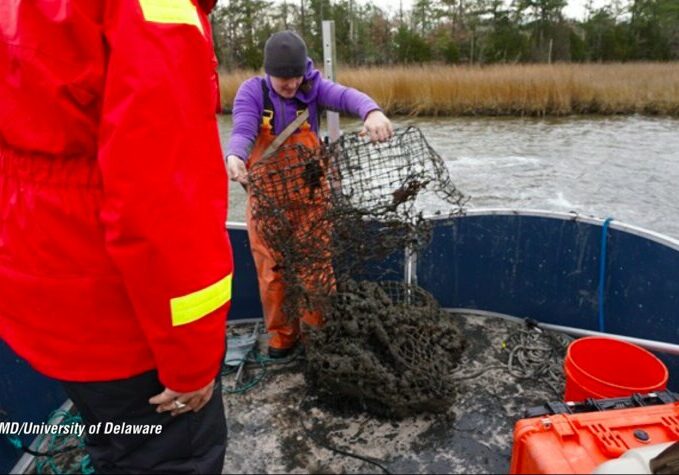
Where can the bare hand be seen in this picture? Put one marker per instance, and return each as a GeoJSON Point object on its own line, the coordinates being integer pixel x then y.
{"type": "Point", "coordinates": [237, 170]}
{"type": "Point", "coordinates": [377, 126]}
{"type": "Point", "coordinates": [180, 403]}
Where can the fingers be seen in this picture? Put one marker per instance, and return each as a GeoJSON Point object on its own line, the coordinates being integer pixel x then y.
{"type": "Point", "coordinates": [179, 406]}
{"type": "Point", "coordinates": [243, 180]}
{"type": "Point", "coordinates": [179, 403]}
{"type": "Point", "coordinates": [201, 397]}
{"type": "Point", "coordinates": [237, 170]}
{"type": "Point", "coordinates": [380, 133]}
{"type": "Point", "coordinates": [390, 129]}
{"type": "Point", "coordinates": [240, 177]}
{"type": "Point", "coordinates": [195, 402]}
{"type": "Point", "coordinates": [169, 401]}
{"type": "Point", "coordinates": [378, 127]}
{"type": "Point", "coordinates": [199, 401]}
{"type": "Point", "coordinates": [165, 397]}
{"type": "Point", "coordinates": [374, 134]}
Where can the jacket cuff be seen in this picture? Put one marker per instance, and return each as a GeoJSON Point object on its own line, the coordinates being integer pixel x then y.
{"type": "Point", "coordinates": [240, 147]}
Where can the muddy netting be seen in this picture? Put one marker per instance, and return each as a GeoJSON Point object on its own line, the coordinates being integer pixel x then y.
{"type": "Point", "coordinates": [387, 346]}
{"type": "Point", "coordinates": [341, 222]}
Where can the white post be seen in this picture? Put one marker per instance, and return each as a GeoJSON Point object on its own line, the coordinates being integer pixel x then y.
{"type": "Point", "coordinates": [330, 60]}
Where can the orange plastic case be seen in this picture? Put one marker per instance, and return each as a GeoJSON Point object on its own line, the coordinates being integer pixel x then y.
{"type": "Point", "coordinates": [578, 443]}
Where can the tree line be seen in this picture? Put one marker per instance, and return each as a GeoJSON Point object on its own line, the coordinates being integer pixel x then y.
{"type": "Point", "coordinates": [452, 31]}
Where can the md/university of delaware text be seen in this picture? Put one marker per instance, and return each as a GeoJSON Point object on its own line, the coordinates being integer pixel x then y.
{"type": "Point", "coordinates": [42, 428]}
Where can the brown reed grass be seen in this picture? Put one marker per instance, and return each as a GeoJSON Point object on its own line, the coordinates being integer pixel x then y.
{"type": "Point", "coordinates": [531, 89]}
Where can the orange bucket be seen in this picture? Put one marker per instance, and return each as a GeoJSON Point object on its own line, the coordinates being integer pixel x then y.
{"type": "Point", "coordinates": [599, 368]}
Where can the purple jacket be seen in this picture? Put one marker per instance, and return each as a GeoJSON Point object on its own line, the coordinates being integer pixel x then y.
{"type": "Point", "coordinates": [249, 105]}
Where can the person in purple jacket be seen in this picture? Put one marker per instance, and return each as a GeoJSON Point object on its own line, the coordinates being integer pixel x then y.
{"type": "Point", "coordinates": [263, 108]}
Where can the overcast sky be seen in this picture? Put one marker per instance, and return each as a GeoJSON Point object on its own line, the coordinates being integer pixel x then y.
{"type": "Point", "coordinates": [575, 8]}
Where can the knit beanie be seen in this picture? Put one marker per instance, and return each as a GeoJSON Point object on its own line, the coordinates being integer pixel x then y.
{"type": "Point", "coordinates": [285, 55]}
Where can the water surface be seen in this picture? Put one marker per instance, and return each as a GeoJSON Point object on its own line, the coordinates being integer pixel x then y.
{"type": "Point", "coordinates": [623, 167]}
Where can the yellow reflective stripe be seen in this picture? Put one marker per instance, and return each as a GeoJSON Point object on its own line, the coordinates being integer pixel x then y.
{"type": "Point", "coordinates": [194, 306]}
{"type": "Point", "coordinates": [171, 11]}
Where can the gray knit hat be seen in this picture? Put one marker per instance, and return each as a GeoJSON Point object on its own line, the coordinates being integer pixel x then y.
{"type": "Point", "coordinates": [285, 55]}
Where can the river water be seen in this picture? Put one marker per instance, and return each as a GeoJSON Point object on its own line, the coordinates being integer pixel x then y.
{"type": "Point", "coordinates": [623, 167]}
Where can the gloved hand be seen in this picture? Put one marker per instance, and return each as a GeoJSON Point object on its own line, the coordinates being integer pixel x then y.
{"type": "Point", "coordinates": [377, 126]}
{"type": "Point", "coordinates": [237, 170]}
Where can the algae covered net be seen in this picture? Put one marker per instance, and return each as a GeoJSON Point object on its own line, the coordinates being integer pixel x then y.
{"type": "Point", "coordinates": [388, 346]}
{"type": "Point", "coordinates": [340, 223]}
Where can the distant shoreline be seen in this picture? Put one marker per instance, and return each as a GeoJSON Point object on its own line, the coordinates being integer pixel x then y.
{"type": "Point", "coordinates": [509, 90]}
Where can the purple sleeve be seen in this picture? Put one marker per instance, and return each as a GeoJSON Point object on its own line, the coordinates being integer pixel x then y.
{"type": "Point", "coordinates": [345, 99]}
{"type": "Point", "coordinates": [247, 115]}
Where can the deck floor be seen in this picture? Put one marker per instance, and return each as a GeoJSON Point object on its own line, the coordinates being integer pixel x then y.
{"type": "Point", "coordinates": [474, 436]}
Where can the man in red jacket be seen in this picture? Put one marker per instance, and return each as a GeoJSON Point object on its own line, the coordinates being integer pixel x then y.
{"type": "Point", "coordinates": [115, 267]}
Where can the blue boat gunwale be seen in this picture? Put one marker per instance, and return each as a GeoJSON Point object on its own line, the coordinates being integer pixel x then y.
{"type": "Point", "coordinates": [530, 212]}
{"type": "Point", "coordinates": [639, 231]}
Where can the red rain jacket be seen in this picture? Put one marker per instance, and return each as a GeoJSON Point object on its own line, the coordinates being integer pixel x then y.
{"type": "Point", "coordinates": [114, 258]}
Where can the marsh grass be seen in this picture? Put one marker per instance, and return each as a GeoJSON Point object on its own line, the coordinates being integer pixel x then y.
{"type": "Point", "coordinates": [533, 89]}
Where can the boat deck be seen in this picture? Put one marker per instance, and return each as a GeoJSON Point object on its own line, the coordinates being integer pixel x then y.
{"type": "Point", "coordinates": [277, 427]}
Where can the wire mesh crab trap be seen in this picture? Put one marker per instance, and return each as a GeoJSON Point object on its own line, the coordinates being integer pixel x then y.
{"type": "Point", "coordinates": [331, 217]}
{"type": "Point", "coordinates": [386, 346]}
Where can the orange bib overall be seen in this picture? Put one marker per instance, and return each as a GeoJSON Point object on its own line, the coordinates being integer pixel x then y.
{"type": "Point", "coordinates": [283, 331]}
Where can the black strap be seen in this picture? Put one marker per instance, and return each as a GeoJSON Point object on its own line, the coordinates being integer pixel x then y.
{"type": "Point", "coordinates": [268, 104]}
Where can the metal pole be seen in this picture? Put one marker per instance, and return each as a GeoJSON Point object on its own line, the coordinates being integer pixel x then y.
{"type": "Point", "coordinates": [329, 62]}
{"type": "Point", "coordinates": [410, 271]}
{"type": "Point", "coordinates": [410, 268]}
